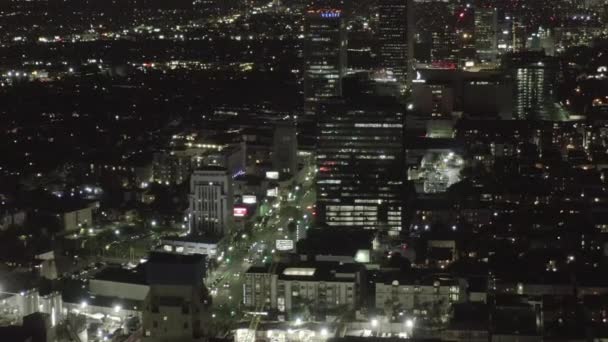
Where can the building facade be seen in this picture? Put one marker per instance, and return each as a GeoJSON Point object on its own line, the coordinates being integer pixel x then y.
{"type": "Point", "coordinates": [394, 37]}
{"type": "Point", "coordinates": [420, 296]}
{"type": "Point", "coordinates": [360, 165]}
{"type": "Point", "coordinates": [211, 202]}
{"type": "Point", "coordinates": [285, 149]}
{"type": "Point", "coordinates": [324, 52]}
{"type": "Point", "coordinates": [486, 33]}
{"type": "Point", "coordinates": [174, 309]}
{"type": "Point", "coordinates": [317, 286]}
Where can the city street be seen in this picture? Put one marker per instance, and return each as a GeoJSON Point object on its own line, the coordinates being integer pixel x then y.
{"type": "Point", "coordinates": [226, 282]}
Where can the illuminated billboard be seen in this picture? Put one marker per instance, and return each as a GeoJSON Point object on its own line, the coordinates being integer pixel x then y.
{"type": "Point", "coordinates": [284, 245]}
{"type": "Point", "coordinates": [250, 199]}
{"type": "Point", "coordinates": [272, 174]}
{"type": "Point", "coordinates": [240, 212]}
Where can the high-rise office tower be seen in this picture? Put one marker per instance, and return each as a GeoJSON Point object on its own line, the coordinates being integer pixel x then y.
{"type": "Point", "coordinates": [285, 149]}
{"type": "Point", "coordinates": [435, 28]}
{"type": "Point", "coordinates": [463, 17]}
{"type": "Point", "coordinates": [211, 202]}
{"type": "Point", "coordinates": [486, 33]}
{"type": "Point", "coordinates": [324, 52]}
{"type": "Point", "coordinates": [394, 36]}
{"type": "Point", "coordinates": [511, 34]}
{"type": "Point", "coordinates": [360, 164]}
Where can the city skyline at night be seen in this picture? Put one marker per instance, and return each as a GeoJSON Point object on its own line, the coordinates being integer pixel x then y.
{"type": "Point", "coordinates": [303, 170]}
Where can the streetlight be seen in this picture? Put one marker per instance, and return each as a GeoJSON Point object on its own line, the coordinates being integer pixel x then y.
{"type": "Point", "coordinates": [117, 308]}
{"type": "Point", "coordinates": [374, 322]}
{"type": "Point", "coordinates": [409, 323]}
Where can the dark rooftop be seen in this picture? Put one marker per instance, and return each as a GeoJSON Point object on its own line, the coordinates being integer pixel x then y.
{"type": "Point", "coordinates": [192, 238]}
{"type": "Point", "coordinates": [335, 242]}
{"type": "Point", "coordinates": [170, 258]}
{"type": "Point", "coordinates": [122, 275]}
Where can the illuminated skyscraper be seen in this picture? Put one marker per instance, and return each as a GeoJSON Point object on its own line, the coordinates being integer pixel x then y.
{"type": "Point", "coordinates": [534, 92]}
{"type": "Point", "coordinates": [360, 161]}
{"type": "Point", "coordinates": [394, 36]}
{"type": "Point", "coordinates": [324, 53]}
{"type": "Point", "coordinates": [534, 76]}
{"type": "Point", "coordinates": [486, 29]}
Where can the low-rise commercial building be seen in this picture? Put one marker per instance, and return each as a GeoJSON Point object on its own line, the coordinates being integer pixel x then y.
{"type": "Point", "coordinates": [317, 286]}
{"type": "Point", "coordinates": [418, 294]}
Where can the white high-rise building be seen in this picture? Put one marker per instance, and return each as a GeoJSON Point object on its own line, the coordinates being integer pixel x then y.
{"type": "Point", "coordinates": [211, 202]}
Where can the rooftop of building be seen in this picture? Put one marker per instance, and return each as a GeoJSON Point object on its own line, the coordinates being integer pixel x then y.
{"type": "Point", "coordinates": [424, 143]}
{"type": "Point", "coordinates": [469, 316]}
{"type": "Point", "coordinates": [193, 238]}
{"type": "Point", "coordinates": [210, 168]}
{"type": "Point", "coordinates": [335, 242]}
{"type": "Point", "coordinates": [122, 275]}
{"type": "Point", "coordinates": [519, 321]}
{"type": "Point", "coordinates": [173, 258]}
{"type": "Point", "coordinates": [311, 271]}
{"type": "Point", "coordinates": [415, 277]}
{"type": "Point", "coordinates": [249, 179]}
{"type": "Point", "coordinates": [47, 202]}
{"type": "Point", "coordinates": [104, 301]}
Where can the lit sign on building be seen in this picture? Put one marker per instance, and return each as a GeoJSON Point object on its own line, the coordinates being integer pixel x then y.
{"type": "Point", "coordinates": [284, 245]}
{"type": "Point", "coordinates": [272, 174]}
{"type": "Point", "coordinates": [274, 192]}
{"type": "Point", "coordinates": [240, 212]}
{"type": "Point", "coordinates": [332, 14]}
{"type": "Point", "coordinates": [249, 199]}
